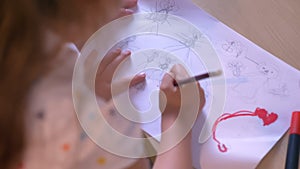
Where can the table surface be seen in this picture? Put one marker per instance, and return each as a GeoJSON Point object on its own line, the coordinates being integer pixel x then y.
{"type": "Point", "coordinates": [273, 25]}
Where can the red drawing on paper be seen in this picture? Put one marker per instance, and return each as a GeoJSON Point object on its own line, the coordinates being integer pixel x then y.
{"type": "Point", "coordinates": [267, 118]}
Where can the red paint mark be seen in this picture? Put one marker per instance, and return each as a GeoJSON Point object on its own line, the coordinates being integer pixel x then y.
{"type": "Point", "coordinates": [267, 118]}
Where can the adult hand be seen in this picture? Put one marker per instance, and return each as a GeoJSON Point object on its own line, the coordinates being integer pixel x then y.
{"type": "Point", "coordinates": [105, 73]}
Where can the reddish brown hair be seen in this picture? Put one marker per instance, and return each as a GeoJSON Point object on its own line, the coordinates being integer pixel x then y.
{"type": "Point", "coordinates": [21, 63]}
{"type": "Point", "coordinates": [22, 60]}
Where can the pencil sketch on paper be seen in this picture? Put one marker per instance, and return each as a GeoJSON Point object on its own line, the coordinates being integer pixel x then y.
{"type": "Point", "coordinates": [270, 73]}
{"type": "Point", "coordinates": [264, 77]}
{"type": "Point", "coordinates": [159, 60]}
{"type": "Point", "coordinates": [154, 65]}
{"type": "Point", "coordinates": [236, 67]}
{"type": "Point", "coordinates": [234, 48]}
{"type": "Point", "coordinates": [281, 90]}
{"type": "Point", "coordinates": [160, 15]}
{"type": "Point", "coordinates": [127, 44]}
{"type": "Point", "coordinates": [261, 76]}
{"type": "Point", "coordinates": [262, 114]}
{"type": "Point", "coordinates": [166, 6]}
{"type": "Point", "coordinates": [267, 71]}
{"type": "Point", "coordinates": [187, 42]}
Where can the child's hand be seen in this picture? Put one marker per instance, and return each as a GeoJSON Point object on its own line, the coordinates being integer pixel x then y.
{"type": "Point", "coordinates": [126, 8]}
{"type": "Point", "coordinates": [129, 3]}
{"type": "Point", "coordinates": [173, 98]}
{"type": "Point", "coordinates": [105, 73]}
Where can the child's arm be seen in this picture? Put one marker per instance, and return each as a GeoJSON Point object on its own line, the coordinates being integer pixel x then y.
{"type": "Point", "coordinates": [180, 156]}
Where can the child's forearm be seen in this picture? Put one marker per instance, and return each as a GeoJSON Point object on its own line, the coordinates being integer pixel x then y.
{"type": "Point", "coordinates": [179, 157]}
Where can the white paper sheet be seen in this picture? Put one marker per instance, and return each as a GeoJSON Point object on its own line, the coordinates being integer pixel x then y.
{"type": "Point", "coordinates": [247, 110]}
{"type": "Point", "coordinates": [255, 80]}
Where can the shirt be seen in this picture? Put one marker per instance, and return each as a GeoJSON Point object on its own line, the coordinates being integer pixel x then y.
{"type": "Point", "coordinates": [55, 139]}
